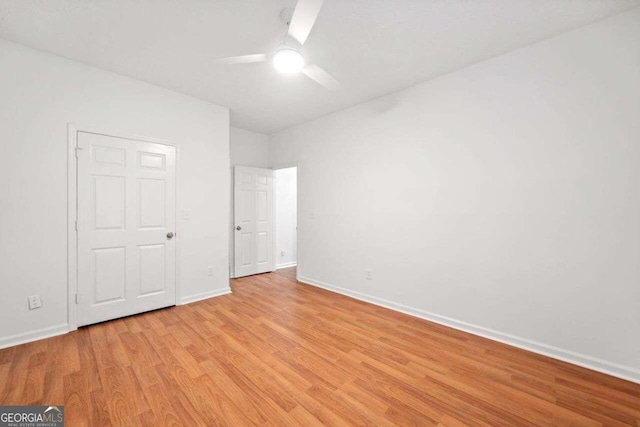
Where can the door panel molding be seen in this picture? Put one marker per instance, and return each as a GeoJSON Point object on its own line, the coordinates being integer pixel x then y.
{"type": "Point", "coordinates": [107, 157]}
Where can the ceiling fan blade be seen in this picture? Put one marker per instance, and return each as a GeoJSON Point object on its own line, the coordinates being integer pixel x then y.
{"type": "Point", "coordinates": [304, 16]}
{"type": "Point", "coordinates": [321, 77]}
{"type": "Point", "coordinates": [244, 59]}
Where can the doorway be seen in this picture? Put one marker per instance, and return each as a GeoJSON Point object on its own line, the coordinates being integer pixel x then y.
{"type": "Point", "coordinates": [286, 220]}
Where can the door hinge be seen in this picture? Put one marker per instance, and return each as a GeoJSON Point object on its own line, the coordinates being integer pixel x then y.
{"type": "Point", "coordinates": [78, 149]}
{"type": "Point", "coordinates": [76, 225]}
{"type": "Point", "coordinates": [77, 299]}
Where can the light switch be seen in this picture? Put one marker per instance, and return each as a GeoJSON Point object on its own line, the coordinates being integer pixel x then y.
{"type": "Point", "coordinates": [186, 214]}
{"type": "Point", "coordinates": [34, 302]}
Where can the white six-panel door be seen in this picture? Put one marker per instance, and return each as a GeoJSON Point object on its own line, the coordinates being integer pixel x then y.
{"type": "Point", "coordinates": [253, 217]}
{"type": "Point", "coordinates": [126, 221]}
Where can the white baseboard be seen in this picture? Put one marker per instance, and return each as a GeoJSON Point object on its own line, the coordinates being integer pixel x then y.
{"type": "Point", "coordinates": [36, 335]}
{"type": "Point", "coordinates": [286, 265]}
{"type": "Point", "coordinates": [204, 295]}
{"type": "Point", "coordinates": [606, 367]}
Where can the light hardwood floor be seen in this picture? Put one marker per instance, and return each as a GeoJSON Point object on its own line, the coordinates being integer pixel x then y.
{"type": "Point", "coordinates": [280, 353]}
{"type": "Point", "coordinates": [290, 272]}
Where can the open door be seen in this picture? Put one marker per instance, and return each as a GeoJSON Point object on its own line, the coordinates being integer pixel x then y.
{"type": "Point", "coordinates": [253, 220]}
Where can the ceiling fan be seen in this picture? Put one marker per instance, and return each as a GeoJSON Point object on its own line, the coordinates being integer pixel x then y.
{"type": "Point", "coordinates": [288, 59]}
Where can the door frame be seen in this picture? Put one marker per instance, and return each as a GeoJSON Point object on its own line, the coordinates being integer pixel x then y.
{"type": "Point", "coordinates": [287, 166]}
{"type": "Point", "coordinates": [72, 211]}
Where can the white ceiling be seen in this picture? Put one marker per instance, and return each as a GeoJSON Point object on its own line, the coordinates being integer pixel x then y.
{"type": "Point", "coordinates": [373, 47]}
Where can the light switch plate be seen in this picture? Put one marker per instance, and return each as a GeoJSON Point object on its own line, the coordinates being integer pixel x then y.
{"type": "Point", "coordinates": [34, 302]}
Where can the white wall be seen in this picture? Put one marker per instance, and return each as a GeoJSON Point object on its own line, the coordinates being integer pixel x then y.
{"type": "Point", "coordinates": [40, 94]}
{"type": "Point", "coordinates": [286, 217]}
{"type": "Point", "coordinates": [503, 198]}
{"type": "Point", "coordinates": [247, 149]}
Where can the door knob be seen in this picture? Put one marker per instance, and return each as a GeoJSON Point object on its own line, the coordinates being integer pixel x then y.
{"type": "Point", "coordinates": [170, 235]}
{"type": "Point", "coordinates": [238, 228]}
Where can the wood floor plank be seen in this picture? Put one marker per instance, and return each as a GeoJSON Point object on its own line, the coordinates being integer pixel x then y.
{"type": "Point", "coordinates": [34, 382]}
{"type": "Point", "coordinates": [304, 417]}
{"type": "Point", "coordinates": [77, 404]}
{"type": "Point", "coordinates": [16, 380]}
{"type": "Point", "coordinates": [99, 415]}
{"type": "Point", "coordinates": [277, 352]}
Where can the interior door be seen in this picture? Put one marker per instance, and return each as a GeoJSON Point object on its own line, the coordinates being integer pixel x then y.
{"type": "Point", "coordinates": [253, 215]}
{"type": "Point", "coordinates": [126, 224]}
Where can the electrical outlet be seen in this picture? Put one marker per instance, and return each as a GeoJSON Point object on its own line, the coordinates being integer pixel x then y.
{"type": "Point", "coordinates": [368, 275]}
{"type": "Point", "coordinates": [210, 270]}
{"type": "Point", "coordinates": [186, 214]}
{"type": "Point", "coordinates": [281, 253]}
{"type": "Point", "coordinates": [34, 302]}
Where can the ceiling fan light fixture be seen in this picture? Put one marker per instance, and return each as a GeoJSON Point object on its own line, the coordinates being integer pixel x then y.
{"type": "Point", "coordinates": [288, 61]}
